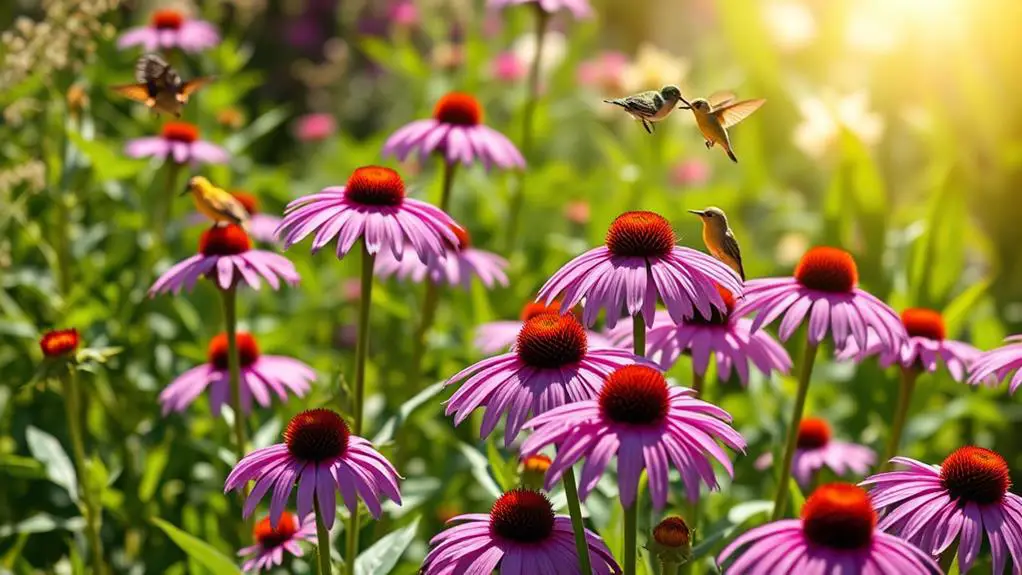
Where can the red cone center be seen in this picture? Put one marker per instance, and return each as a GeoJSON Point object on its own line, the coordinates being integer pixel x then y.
{"type": "Point", "coordinates": [180, 132]}
{"type": "Point", "coordinates": [464, 240]}
{"type": "Point", "coordinates": [59, 342]}
{"type": "Point", "coordinates": [250, 202]}
{"type": "Point", "coordinates": [716, 316]}
{"type": "Point", "coordinates": [827, 269]}
{"type": "Point", "coordinates": [552, 341]}
{"type": "Point", "coordinates": [839, 516]}
{"type": "Point", "coordinates": [535, 308]}
{"type": "Point", "coordinates": [375, 186]}
{"type": "Point", "coordinates": [226, 240]}
{"type": "Point", "coordinates": [317, 435]}
{"type": "Point", "coordinates": [672, 532]}
{"type": "Point", "coordinates": [977, 475]}
{"type": "Point", "coordinates": [248, 351]}
{"type": "Point", "coordinates": [921, 322]}
{"type": "Point", "coordinates": [167, 19]}
{"type": "Point", "coordinates": [813, 433]}
{"type": "Point", "coordinates": [459, 109]}
{"type": "Point", "coordinates": [640, 234]}
{"type": "Point", "coordinates": [634, 394]}
{"type": "Point", "coordinates": [522, 516]}
{"type": "Point", "coordinates": [269, 537]}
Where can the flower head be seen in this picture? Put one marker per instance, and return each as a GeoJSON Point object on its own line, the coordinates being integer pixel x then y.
{"type": "Point", "coordinates": [824, 290]}
{"type": "Point", "coordinates": [461, 264]}
{"type": "Point", "coordinates": [226, 257]}
{"type": "Point", "coordinates": [638, 265]}
{"type": "Point", "coordinates": [966, 496]}
{"type": "Point", "coordinates": [816, 449]}
{"type": "Point", "coordinates": [836, 534]}
{"type": "Point", "coordinates": [997, 364]}
{"type": "Point", "coordinates": [497, 336]}
{"type": "Point", "coordinates": [552, 364]}
{"type": "Point", "coordinates": [578, 8]}
{"type": "Point", "coordinates": [648, 425]}
{"type": "Point", "coordinates": [507, 67]}
{"type": "Point", "coordinates": [520, 531]}
{"type": "Point", "coordinates": [260, 375]}
{"type": "Point", "coordinates": [171, 29]}
{"type": "Point", "coordinates": [180, 141]}
{"type": "Point", "coordinates": [456, 132]}
{"type": "Point", "coordinates": [315, 127]}
{"type": "Point", "coordinates": [271, 542]}
{"type": "Point", "coordinates": [534, 468]}
{"type": "Point", "coordinates": [372, 207]}
{"type": "Point", "coordinates": [320, 456]}
{"type": "Point", "coordinates": [60, 342]}
{"type": "Point", "coordinates": [672, 540]}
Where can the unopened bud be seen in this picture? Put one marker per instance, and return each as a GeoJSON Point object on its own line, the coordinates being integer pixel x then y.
{"type": "Point", "coordinates": [534, 468]}
{"type": "Point", "coordinates": [672, 541]}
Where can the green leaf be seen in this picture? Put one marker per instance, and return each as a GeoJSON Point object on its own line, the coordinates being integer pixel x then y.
{"type": "Point", "coordinates": [957, 312]}
{"type": "Point", "coordinates": [42, 523]}
{"type": "Point", "coordinates": [202, 552]}
{"type": "Point", "coordinates": [797, 499]}
{"type": "Point", "coordinates": [47, 450]}
{"type": "Point", "coordinates": [386, 432]}
{"type": "Point", "coordinates": [258, 128]}
{"type": "Point", "coordinates": [480, 469]}
{"type": "Point", "coordinates": [109, 163]}
{"type": "Point", "coordinates": [155, 463]}
{"type": "Point", "coordinates": [383, 555]}
{"type": "Point", "coordinates": [503, 471]}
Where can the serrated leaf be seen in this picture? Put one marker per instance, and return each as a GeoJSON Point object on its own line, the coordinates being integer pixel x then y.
{"type": "Point", "coordinates": [406, 410]}
{"type": "Point", "coordinates": [383, 555]}
{"type": "Point", "coordinates": [49, 452]}
{"type": "Point", "coordinates": [202, 552]}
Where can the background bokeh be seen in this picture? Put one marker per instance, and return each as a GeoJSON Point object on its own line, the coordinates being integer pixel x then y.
{"type": "Point", "coordinates": [892, 129]}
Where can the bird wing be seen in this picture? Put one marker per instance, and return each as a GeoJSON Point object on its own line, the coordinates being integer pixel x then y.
{"type": "Point", "coordinates": [229, 206]}
{"type": "Point", "coordinates": [733, 113]}
{"type": "Point", "coordinates": [137, 92]}
{"type": "Point", "coordinates": [189, 87]}
{"type": "Point", "coordinates": [152, 68]}
{"type": "Point", "coordinates": [642, 105]}
{"type": "Point", "coordinates": [720, 99]}
{"type": "Point", "coordinates": [730, 247]}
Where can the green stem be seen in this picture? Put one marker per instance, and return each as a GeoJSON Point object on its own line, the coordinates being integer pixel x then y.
{"type": "Point", "coordinates": [361, 356]}
{"type": "Point", "coordinates": [698, 381]}
{"type": "Point", "coordinates": [631, 533]}
{"type": "Point", "coordinates": [234, 368]}
{"type": "Point", "coordinates": [669, 568]}
{"type": "Point", "coordinates": [908, 382]}
{"type": "Point", "coordinates": [322, 541]}
{"type": "Point", "coordinates": [445, 195]}
{"type": "Point", "coordinates": [72, 403]}
{"type": "Point", "coordinates": [808, 359]}
{"type": "Point", "coordinates": [161, 209]}
{"type": "Point", "coordinates": [639, 335]}
{"type": "Point", "coordinates": [575, 510]}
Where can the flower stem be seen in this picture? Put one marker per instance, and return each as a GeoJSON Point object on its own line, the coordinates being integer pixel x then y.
{"type": "Point", "coordinates": [322, 541]}
{"type": "Point", "coordinates": [445, 195]}
{"type": "Point", "coordinates": [528, 115]}
{"type": "Point", "coordinates": [161, 208]}
{"type": "Point", "coordinates": [631, 533]}
{"type": "Point", "coordinates": [575, 510]}
{"type": "Point", "coordinates": [234, 368]}
{"type": "Point", "coordinates": [72, 403]}
{"type": "Point", "coordinates": [361, 356]}
{"type": "Point", "coordinates": [669, 568]}
{"type": "Point", "coordinates": [808, 359]}
{"type": "Point", "coordinates": [908, 383]}
{"type": "Point", "coordinates": [698, 380]}
{"type": "Point", "coordinates": [639, 335]}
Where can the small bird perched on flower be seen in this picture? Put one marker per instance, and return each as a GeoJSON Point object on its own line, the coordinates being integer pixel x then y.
{"type": "Point", "coordinates": [714, 115]}
{"type": "Point", "coordinates": [215, 203]}
{"type": "Point", "coordinates": [719, 238]}
{"type": "Point", "coordinates": [652, 106]}
{"type": "Point", "coordinates": [159, 86]}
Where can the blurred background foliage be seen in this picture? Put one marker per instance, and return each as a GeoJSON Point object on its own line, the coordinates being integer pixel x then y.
{"type": "Point", "coordinates": [891, 129]}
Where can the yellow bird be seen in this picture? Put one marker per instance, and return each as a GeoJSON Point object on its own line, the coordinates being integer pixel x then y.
{"type": "Point", "coordinates": [719, 238]}
{"type": "Point", "coordinates": [215, 203]}
{"type": "Point", "coordinates": [717, 113]}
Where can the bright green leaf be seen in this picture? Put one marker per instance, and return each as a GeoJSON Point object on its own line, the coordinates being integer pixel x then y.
{"type": "Point", "coordinates": [202, 552]}
{"type": "Point", "coordinates": [406, 410]}
{"type": "Point", "coordinates": [47, 450]}
{"type": "Point", "coordinates": [383, 555]}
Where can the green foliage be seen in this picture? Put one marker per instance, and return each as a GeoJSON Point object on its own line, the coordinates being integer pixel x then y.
{"type": "Point", "coordinates": [203, 553]}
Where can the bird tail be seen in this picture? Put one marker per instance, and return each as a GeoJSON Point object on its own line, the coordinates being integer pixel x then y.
{"type": "Point", "coordinates": [615, 102]}
{"type": "Point", "coordinates": [731, 155]}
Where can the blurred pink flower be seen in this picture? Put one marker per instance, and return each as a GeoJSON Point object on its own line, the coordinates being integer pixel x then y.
{"type": "Point", "coordinates": [180, 141]}
{"type": "Point", "coordinates": [691, 172]}
{"type": "Point", "coordinates": [604, 73]}
{"type": "Point", "coordinates": [577, 212]}
{"type": "Point", "coordinates": [578, 8]}
{"type": "Point", "coordinates": [506, 67]}
{"type": "Point", "coordinates": [315, 127]}
{"type": "Point", "coordinates": [404, 14]}
{"type": "Point", "coordinates": [171, 29]}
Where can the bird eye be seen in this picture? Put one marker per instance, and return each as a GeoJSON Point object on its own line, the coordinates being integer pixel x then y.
{"type": "Point", "coordinates": [709, 214]}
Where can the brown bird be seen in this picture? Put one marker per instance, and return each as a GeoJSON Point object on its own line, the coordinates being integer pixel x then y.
{"type": "Point", "coordinates": [719, 238]}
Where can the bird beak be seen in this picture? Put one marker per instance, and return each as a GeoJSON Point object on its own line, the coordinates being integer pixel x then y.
{"type": "Point", "coordinates": [185, 191]}
{"type": "Point", "coordinates": [699, 213]}
{"type": "Point", "coordinates": [687, 105]}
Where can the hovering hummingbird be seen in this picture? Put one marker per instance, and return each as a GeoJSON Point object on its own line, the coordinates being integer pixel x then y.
{"type": "Point", "coordinates": [215, 203]}
{"type": "Point", "coordinates": [717, 113]}
{"type": "Point", "coordinates": [159, 86]}
{"type": "Point", "coordinates": [719, 238]}
{"type": "Point", "coordinates": [652, 106]}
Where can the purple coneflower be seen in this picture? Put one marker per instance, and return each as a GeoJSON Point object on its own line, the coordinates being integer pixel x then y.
{"type": "Point", "coordinates": [180, 141]}
{"type": "Point", "coordinates": [461, 264]}
{"type": "Point", "coordinates": [816, 449]}
{"type": "Point", "coordinates": [320, 456]}
{"type": "Point", "coordinates": [457, 133]}
{"type": "Point", "coordinates": [171, 29]}
{"type": "Point", "coordinates": [520, 536]}
{"type": "Point", "coordinates": [997, 364]}
{"type": "Point", "coordinates": [552, 364]}
{"type": "Point", "coordinates": [836, 534]}
{"type": "Point", "coordinates": [497, 336]}
{"type": "Point", "coordinates": [578, 8]}
{"type": "Point", "coordinates": [260, 374]}
{"type": "Point", "coordinates": [226, 257]}
{"type": "Point", "coordinates": [967, 495]}
{"type": "Point", "coordinates": [638, 264]}
{"type": "Point", "coordinates": [272, 542]}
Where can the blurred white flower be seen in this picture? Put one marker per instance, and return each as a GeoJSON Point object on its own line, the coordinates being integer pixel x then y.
{"type": "Point", "coordinates": [869, 30]}
{"type": "Point", "coordinates": [791, 24]}
{"type": "Point", "coordinates": [555, 47]}
{"type": "Point", "coordinates": [654, 68]}
{"type": "Point", "coordinates": [824, 118]}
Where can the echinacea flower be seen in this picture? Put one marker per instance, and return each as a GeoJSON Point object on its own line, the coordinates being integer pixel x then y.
{"type": "Point", "coordinates": [671, 541]}
{"type": "Point", "coordinates": [180, 141]}
{"type": "Point", "coordinates": [462, 262]}
{"type": "Point", "coordinates": [507, 67]}
{"type": "Point", "coordinates": [260, 374]}
{"type": "Point", "coordinates": [997, 364]}
{"type": "Point", "coordinates": [816, 449]}
{"type": "Point", "coordinates": [320, 456]}
{"type": "Point", "coordinates": [171, 29]}
{"type": "Point", "coordinates": [837, 534]}
{"type": "Point", "coordinates": [552, 364]}
{"type": "Point", "coordinates": [372, 207]}
{"type": "Point", "coordinates": [457, 133]}
{"type": "Point", "coordinates": [497, 336]}
{"type": "Point", "coordinates": [964, 497]}
{"type": "Point", "coordinates": [638, 265]}
{"type": "Point", "coordinates": [59, 342]}
{"type": "Point", "coordinates": [647, 424]}
{"type": "Point", "coordinates": [534, 468]}
{"type": "Point", "coordinates": [824, 290]}
{"type": "Point", "coordinates": [271, 542]}
{"type": "Point", "coordinates": [578, 8]}
{"type": "Point", "coordinates": [927, 342]}
{"type": "Point", "coordinates": [226, 257]}
{"type": "Point", "coordinates": [314, 127]}
{"type": "Point", "coordinates": [520, 536]}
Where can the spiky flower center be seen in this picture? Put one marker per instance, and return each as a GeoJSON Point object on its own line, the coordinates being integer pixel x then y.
{"type": "Point", "coordinates": [827, 269]}
{"type": "Point", "coordinates": [634, 394]}
{"type": "Point", "coordinates": [522, 516]}
{"type": "Point", "coordinates": [716, 316]}
{"type": "Point", "coordinates": [535, 308]}
{"type": "Point", "coordinates": [317, 435]}
{"type": "Point", "coordinates": [180, 132]}
{"type": "Point", "coordinates": [813, 433]}
{"type": "Point", "coordinates": [268, 537]}
{"type": "Point", "coordinates": [248, 351]}
{"type": "Point", "coordinates": [921, 322]}
{"type": "Point", "coordinates": [839, 516]}
{"type": "Point", "coordinates": [167, 19]}
{"type": "Point", "coordinates": [248, 200]}
{"type": "Point", "coordinates": [640, 234]}
{"type": "Point", "coordinates": [672, 532]}
{"type": "Point", "coordinates": [59, 342]}
{"type": "Point", "coordinates": [459, 109]}
{"type": "Point", "coordinates": [228, 240]}
{"type": "Point", "coordinates": [551, 341]}
{"type": "Point", "coordinates": [375, 186]}
{"type": "Point", "coordinates": [974, 474]}
{"type": "Point", "coordinates": [536, 464]}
